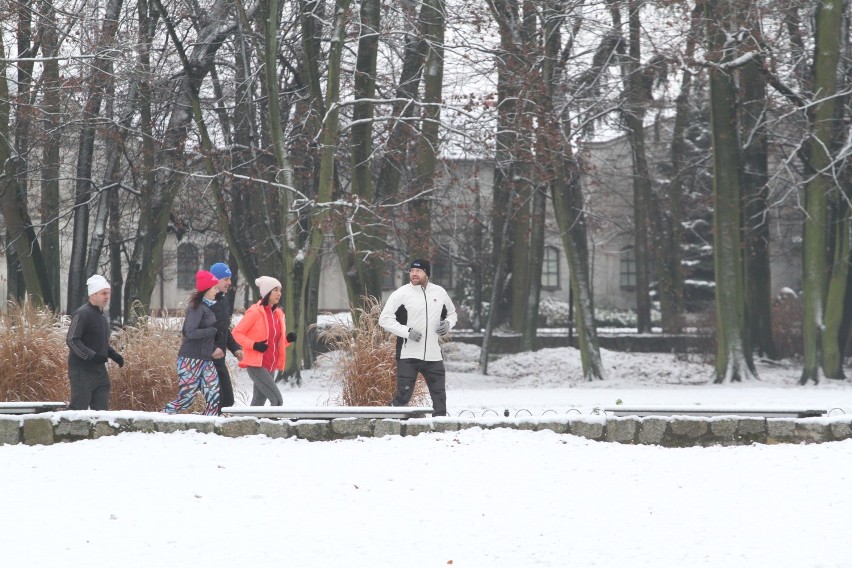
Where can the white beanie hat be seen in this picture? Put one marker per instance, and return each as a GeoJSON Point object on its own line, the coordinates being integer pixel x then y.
{"type": "Point", "coordinates": [266, 284]}
{"type": "Point", "coordinates": [96, 283]}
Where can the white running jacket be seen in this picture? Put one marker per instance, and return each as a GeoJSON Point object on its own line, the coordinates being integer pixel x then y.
{"type": "Point", "coordinates": [415, 307]}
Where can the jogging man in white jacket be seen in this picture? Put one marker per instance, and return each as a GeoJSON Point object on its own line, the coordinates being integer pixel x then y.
{"type": "Point", "coordinates": [417, 313]}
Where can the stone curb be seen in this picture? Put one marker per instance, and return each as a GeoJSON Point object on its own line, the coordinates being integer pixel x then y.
{"type": "Point", "coordinates": [678, 432]}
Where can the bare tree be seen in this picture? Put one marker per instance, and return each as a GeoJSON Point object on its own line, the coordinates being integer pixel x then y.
{"type": "Point", "coordinates": [97, 84]}
{"type": "Point", "coordinates": [734, 356]}
{"type": "Point", "coordinates": [14, 150]}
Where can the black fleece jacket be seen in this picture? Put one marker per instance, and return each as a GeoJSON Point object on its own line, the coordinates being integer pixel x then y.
{"type": "Point", "coordinates": [224, 339]}
{"type": "Point", "coordinates": [88, 336]}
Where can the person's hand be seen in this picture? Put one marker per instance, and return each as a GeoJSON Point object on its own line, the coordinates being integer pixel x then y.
{"type": "Point", "coordinates": [218, 353]}
{"type": "Point", "coordinates": [414, 335]}
{"type": "Point", "coordinates": [119, 360]}
{"type": "Point", "coordinates": [239, 354]}
{"type": "Point", "coordinates": [261, 346]}
{"type": "Point", "coordinates": [291, 337]}
{"type": "Point", "coordinates": [99, 359]}
{"type": "Point", "coordinates": [443, 327]}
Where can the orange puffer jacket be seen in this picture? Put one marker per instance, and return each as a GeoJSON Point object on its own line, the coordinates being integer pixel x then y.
{"type": "Point", "coordinates": [252, 328]}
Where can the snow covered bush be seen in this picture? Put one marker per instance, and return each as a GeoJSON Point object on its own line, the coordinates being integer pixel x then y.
{"type": "Point", "coordinates": [553, 313]}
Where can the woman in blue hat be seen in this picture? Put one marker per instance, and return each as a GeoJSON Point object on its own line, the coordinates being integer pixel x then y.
{"type": "Point", "coordinates": [224, 338]}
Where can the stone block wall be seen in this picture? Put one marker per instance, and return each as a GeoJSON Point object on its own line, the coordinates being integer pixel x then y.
{"type": "Point", "coordinates": [672, 432]}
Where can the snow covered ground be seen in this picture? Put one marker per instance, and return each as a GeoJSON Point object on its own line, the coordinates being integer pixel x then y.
{"type": "Point", "coordinates": [476, 498]}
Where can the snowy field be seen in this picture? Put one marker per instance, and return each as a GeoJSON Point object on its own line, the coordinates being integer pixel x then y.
{"type": "Point", "coordinates": [495, 498]}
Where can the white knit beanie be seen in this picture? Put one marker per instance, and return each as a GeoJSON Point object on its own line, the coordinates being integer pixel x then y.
{"type": "Point", "coordinates": [96, 283]}
{"type": "Point", "coordinates": [266, 284]}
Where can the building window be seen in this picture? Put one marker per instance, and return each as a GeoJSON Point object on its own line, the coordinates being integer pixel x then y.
{"type": "Point", "coordinates": [389, 283]}
{"type": "Point", "coordinates": [628, 268]}
{"type": "Point", "coordinates": [550, 268]}
{"type": "Point", "coordinates": [442, 270]}
{"type": "Point", "coordinates": [187, 265]}
{"type": "Point", "coordinates": [213, 253]}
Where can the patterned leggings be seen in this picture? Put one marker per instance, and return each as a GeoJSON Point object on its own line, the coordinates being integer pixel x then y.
{"type": "Point", "coordinates": [195, 374]}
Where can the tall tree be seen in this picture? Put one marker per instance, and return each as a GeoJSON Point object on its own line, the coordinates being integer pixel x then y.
{"type": "Point", "coordinates": [667, 240]}
{"type": "Point", "coordinates": [51, 145]}
{"type": "Point", "coordinates": [753, 114]}
{"type": "Point", "coordinates": [733, 357]}
{"type": "Point", "coordinates": [637, 95]}
{"type": "Point", "coordinates": [513, 70]}
{"type": "Point", "coordinates": [819, 191]}
{"type": "Point", "coordinates": [96, 85]}
{"type": "Point", "coordinates": [565, 189]}
{"type": "Point", "coordinates": [328, 139]}
{"type": "Point", "coordinates": [146, 258]}
{"type": "Point", "coordinates": [14, 150]}
{"type": "Point", "coordinates": [430, 121]}
{"type": "Point", "coordinates": [526, 240]}
{"type": "Point", "coordinates": [361, 256]}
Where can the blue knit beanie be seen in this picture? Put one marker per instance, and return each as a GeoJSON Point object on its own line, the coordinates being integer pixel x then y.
{"type": "Point", "coordinates": [220, 270]}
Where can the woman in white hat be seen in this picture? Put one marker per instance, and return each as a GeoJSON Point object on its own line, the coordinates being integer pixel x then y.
{"type": "Point", "coordinates": [262, 333]}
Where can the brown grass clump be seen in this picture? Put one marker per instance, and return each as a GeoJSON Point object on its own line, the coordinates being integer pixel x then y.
{"type": "Point", "coordinates": [366, 366]}
{"type": "Point", "coordinates": [34, 360]}
{"type": "Point", "coordinates": [148, 379]}
{"type": "Point", "coordinates": [33, 355]}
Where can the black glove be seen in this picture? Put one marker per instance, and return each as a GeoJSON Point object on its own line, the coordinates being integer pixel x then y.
{"type": "Point", "coordinates": [119, 360]}
{"type": "Point", "coordinates": [291, 337]}
{"type": "Point", "coordinates": [261, 346]}
{"type": "Point", "coordinates": [98, 358]}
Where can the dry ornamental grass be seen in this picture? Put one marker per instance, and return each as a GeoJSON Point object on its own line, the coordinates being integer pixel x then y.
{"type": "Point", "coordinates": [366, 365]}
{"type": "Point", "coordinates": [33, 356]}
{"type": "Point", "coordinates": [34, 360]}
{"type": "Point", "coordinates": [148, 379]}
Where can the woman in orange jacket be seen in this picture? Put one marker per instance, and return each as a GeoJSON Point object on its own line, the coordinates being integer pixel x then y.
{"type": "Point", "coordinates": [262, 333]}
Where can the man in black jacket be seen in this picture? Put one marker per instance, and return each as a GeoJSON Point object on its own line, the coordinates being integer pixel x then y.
{"type": "Point", "coordinates": [224, 340]}
{"type": "Point", "coordinates": [88, 349]}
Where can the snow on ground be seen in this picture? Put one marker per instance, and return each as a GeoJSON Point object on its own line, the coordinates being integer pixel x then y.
{"type": "Point", "coordinates": [476, 498]}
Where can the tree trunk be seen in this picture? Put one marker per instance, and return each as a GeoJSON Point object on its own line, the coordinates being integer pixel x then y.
{"type": "Point", "coordinates": [832, 346]}
{"type": "Point", "coordinates": [668, 239]}
{"type": "Point", "coordinates": [366, 256]}
{"type": "Point", "coordinates": [13, 177]}
{"type": "Point", "coordinates": [511, 187]}
{"type": "Point", "coordinates": [535, 262]}
{"type": "Point", "coordinates": [637, 95]}
{"type": "Point", "coordinates": [132, 284]}
{"type": "Point", "coordinates": [567, 197]}
{"type": "Point", "coordinates": [496, 292]}
{"type": "Point", "coordinates": [733, 358]}
{"type": "Point", "coordinates": [518, 256]}
{"type": "Point", "coordinates": [97, 85]}
{"type": "Point", "coordinates": [51, 153]}
{"type": "Point", "coordinates": [329, 139]}
{"type": "Point", "coordinates": [428, 143]}
{"type": "Point", "coordinates": [400, 132]}
{"type": "Point", "coordinates": [478, 256]}
{"type": "Point", "coordinates": [112, 176]}
{"type": "Point", "coordinates": [116, 276]}
{"type": "Point", "coordinates": [756, 222]}
{"type": "Point", "coordinates": [146, 260]}
{"type": "Point", "coordinates": [815, 268]}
